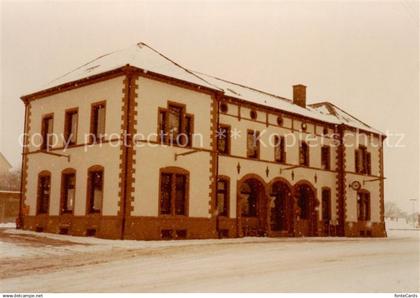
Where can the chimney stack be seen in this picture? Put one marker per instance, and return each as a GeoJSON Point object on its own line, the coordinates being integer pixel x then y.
{"type": "Point", "coordinates": [299, 95]}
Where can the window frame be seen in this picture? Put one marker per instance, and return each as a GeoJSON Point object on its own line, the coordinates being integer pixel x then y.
{"type": "Point", "coordinates": [227, 140]}
{"type": "Point", "coordinates": [94, 122]}
{"type": "Point", "coordinates": [280, 144]}
{"type": "Point", "coordinates": [63, 198]}
{"type": "Point", "coordinates": [364, 201]}
{"type": "Point", "coordinates": [326, 160]}
{"type": "Point", "coordinates": [226, 195]}
{"type": "Point", "coordinates": [255, 133]}
{"type": "Point", "coordinates": [67, 127]}
{"type": "Point", "coordinates": [45, 146]}
{"type": "Point", "coordinates": [363, 161]}
{"type": "Point", "coordinates": [323, 208]}
{"type": "Point", "coordinates": [41, 175]}
{"type": "Point", "coordinates": [166, 138]}
{"type": "Point", "coordinates": [89, 197]}
{"type": "Point", "coordinates": [306, 154]}
{"type": "Point", "coordinates": [173, 172]}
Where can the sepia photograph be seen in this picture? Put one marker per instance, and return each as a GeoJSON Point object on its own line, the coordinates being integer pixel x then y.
{"type": "Point", "coordinates": [209, 147]}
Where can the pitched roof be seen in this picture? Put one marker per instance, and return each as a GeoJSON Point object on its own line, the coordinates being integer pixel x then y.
{"type": "Point", "coordinates": [144, 57]}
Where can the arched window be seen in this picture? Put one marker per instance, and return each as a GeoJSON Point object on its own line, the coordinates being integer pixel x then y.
{"type": "Point", "coordinates": [44, 192]}
{"type": "Point", "coordinates": [174, 189]}
{"type": "Point", "coordinates": [363, 205]}
{"type": "Point", "coordinates": [95, 189]}
{"type": "Point", "coordinates": [250, 189]}
{"type": "Point", "coordinates": [68, 190]}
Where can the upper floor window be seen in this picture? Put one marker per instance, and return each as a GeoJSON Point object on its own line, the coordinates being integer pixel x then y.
{"type": "Point", "coordinates": [363, 206]}
{"type": "Point", "coordinates": [362, 161]}
{"type": "Point", "coordinates": [173, 192]}
{"type": "Point", "coordinates": [326, 204]}
{"type": "Point", "coordinates": [175, 125]}
{"type": "Point", "coordinates": [68, 191]}
{"type": "Point", "coordinates": [222, 200]}
{"type": "Point", "coordinates": [253, 144]}
{"type": "Point", "coordinates": [44, 192]}
{"type": "Point", "coordinates": [304, 154]}
{"type": "Point", "coordinates": [47, 132]}
{"type": "Point", "coordinates": [279, 149]}
{"type": "Point", "coordinates": [70, 126]}
{"type": "Point", "coordinates": [97, 129]}
{"type": "Point", "coordinates": [95, 189]}
{"type": "Point", "coordinates": [223, 139]}
{"type": "Point", "coordinates": [325, 157]}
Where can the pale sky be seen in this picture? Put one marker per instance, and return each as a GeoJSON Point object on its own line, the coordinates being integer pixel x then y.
{"type": "Point", "coordinates": [362, 56]}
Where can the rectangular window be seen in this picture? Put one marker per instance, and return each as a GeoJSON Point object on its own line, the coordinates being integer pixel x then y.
{"type": "Point", "coordinates": [325, 157]}
{"type": "Point", "coordinates": [162, 126]}
{"type": "Point", "coordinates": [47, 132]}
{"type": "Point", "coordinates": [70, 127]}
{"type": "Point", "coordinates": [253, 144]}
{"type": "Point", "coordinates": [174, 123]}
{"type": "Point", "coordinates": [223, 139]}
{"type": "Point", "coordinates": [326, 205]}
{"type": "Point", "coordinates": [98, 122]}
{"type": "Point", "coordinates": [175, 126]}
{"type": "Point", "coordinates": [222, 197]}
{"type": "Point", "coordinates": [95, 191]}
{"type": "Point", "coordinates": [173, 194]}
{"type": "Point", "coordinates": [368, 164]}
{"type": "Point", "coordinates": [304, 154]}
{"type": "Point", "coordinates": [188, 130]}
{"type": "Point", "coordinates": [362, 161]}
{"type": "Point", "coordinates": [279, 149]}
{"type": "Point", "coordinates": [68, 192]}
{"type": "Point", "coordinates": [44, 187]}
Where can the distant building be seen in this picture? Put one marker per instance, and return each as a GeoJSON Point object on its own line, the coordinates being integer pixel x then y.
{"type": "Point", "coordinates": [9, 200]}
{"type": "Point", "coordinates": [202, 157]}
{"type": "Point", "coordinates": [5, 166]}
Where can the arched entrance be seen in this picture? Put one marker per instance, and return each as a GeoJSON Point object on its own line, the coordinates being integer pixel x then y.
{"type": "Point", "coordinates": [252, 207]}
{"type": "Point", "coordinates": [281, 209]}
{"type": "Point", "coordinates": [306, 209]}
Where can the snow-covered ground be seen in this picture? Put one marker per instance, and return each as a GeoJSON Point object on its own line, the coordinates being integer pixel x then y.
{"type": "Point", "coordinates": [41, 262]}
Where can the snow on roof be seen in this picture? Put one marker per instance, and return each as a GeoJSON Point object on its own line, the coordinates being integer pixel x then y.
{"type": "Point", "coordinates": [342, 116]}
{"type": "Point", "coordinates": [141, 56]}
{"type": "Point", "coordinates": [148, 59]}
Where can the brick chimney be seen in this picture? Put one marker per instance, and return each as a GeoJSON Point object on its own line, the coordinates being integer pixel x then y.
{"type": "Point", "coordinates": [299, 95]}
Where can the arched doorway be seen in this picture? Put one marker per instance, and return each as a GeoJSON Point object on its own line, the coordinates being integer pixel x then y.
{"type": "Point", "coordinates": [306, 209]}
{"type": "Point", "coordinates": [252, 207]}
{"type": "Point", "coordinates": [281, 209]}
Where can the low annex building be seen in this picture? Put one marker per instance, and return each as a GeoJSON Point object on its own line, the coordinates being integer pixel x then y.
{"type": "Point", "coordinates": [132, 145]}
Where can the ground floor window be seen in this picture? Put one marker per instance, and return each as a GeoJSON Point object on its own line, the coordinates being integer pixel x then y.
{"type": "Point", "coordinates": [95, 189]}
{"type": "Point", "coordinates": [326, 204]}
{"type": "Point", "coordinates": [250, 191]}
{"type": "Point", "coordinates": [363, 206]}
{"type": "Point", "coordinates": [222, 200]}
{"type": "Point", "coordinates": [173, 192]}
{"type": "Point", "coordinates": [68, 190]}
{"type": "Point", "coordinates": [44, 191]}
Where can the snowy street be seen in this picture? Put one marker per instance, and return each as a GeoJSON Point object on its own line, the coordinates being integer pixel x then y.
{"type": "Point", "coordinates": [39, 262]}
